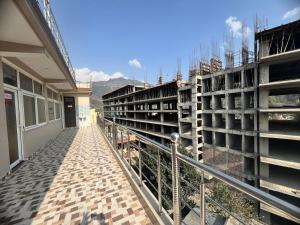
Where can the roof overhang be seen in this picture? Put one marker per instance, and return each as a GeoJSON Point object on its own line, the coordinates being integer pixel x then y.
{"type": "Point", "coordinates": [27, 41]}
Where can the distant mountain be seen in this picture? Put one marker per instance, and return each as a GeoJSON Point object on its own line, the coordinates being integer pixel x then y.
{"type": "Point", "coordinates": [100, 88]}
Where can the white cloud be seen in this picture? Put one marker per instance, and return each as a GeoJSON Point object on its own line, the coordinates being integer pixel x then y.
{"type": "Point", "coordinates": [234, 25]}
{"type": "Point", "coordinates": [292, 14]}
{"type": "Point", "coordinates": [135, 63]}
{"type": "Point", "coordinates": [85, 75]}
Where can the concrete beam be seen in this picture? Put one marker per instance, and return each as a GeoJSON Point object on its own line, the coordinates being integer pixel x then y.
{"type": "Point", "coordinates": [13, 49]}
{"type": "Point", "coordinates": [55, 81]}
{"type": "Point", "coordinates": [24, 67]}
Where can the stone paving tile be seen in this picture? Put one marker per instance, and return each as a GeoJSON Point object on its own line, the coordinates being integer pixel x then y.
{"type": "Point", "coordinates": [75, 179]}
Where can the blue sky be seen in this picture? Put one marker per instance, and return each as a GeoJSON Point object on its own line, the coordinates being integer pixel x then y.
{"type": "Point", "coordinates": [134, 38]}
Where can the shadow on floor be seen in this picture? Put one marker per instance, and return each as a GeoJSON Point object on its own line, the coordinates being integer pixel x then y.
{"type": "Point", "coordinates": [23, 192]}
{"type": "Point", "coordinates": [89, 218]}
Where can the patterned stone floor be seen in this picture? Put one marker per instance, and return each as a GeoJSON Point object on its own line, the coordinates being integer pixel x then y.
{"type": "Point", "coordinates": [74, 180]}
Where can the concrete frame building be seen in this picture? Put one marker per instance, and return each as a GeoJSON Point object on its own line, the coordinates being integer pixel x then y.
{"type": "Point", "coordinates": [279, 114]}
{"type": "Point", "coordinates": [151, 112]}
{"type": "Point", "coordinates": [229, 121]}
{"type": "Point", "coordinates": [39, 96]}
{"type": "Point", "coordinates": [243, 120]}
{"type": "Point", "coordinates": [190, 115]}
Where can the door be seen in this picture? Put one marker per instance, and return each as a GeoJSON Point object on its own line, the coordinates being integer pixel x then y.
{"type": "Point", "coordinates": [12, 122]}
{"type": "Point", "coordinates": [70, 113]}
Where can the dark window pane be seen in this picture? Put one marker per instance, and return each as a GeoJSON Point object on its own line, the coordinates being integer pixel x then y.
{"type": "Point", "coordinates": [51, 110]}
{"type": "Point", "coordinates": [55, 96]}
{"type": "Point", "coordinates": [57, 111]}
{"type": "Point", "coordinates": [49, 93]}
{"type": "Point", "coordinates": [26, 83]}
{"type": "Point", "coordinates": [38, 88]}
{"type": "Point", "coordinates": [69, 99]}
{"type": "Point", "coordinates": [41, 110]}
{"type": "Point", "coordinates": [29, 110]}
{"type": "Point", "coordinates": [9, 75]}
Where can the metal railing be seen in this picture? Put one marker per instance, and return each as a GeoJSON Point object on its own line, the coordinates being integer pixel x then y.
{"type": "Point", "coordinates": [46, 10]}
{"type": "Point", "coordinates": [187, 191]}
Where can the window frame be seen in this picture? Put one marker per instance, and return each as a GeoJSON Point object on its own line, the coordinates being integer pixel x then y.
{"type": "Point", "coordinates": [37, 113]}
{"type": "Point", "coordinates": [51, 99]}
{"type": "Point", "coordinates": [43, 91]}
{"type": "Point", "coordinates": [17, 73]}
{"type": "Point", "coordinates": [29, 94]}
{"type": "Point", "coordinates": [21, 92]}
{"type": "Point", "coordinates": [59, 106]}
{"type": "Point", "coordinates": [29, 77]}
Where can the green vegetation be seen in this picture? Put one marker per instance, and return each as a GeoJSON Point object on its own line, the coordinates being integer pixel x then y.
{"type": "Point", "coordinates": [234, 201]}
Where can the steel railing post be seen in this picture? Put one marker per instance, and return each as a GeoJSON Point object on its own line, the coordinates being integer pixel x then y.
{"type": "Point", "coordinates": [122, 145]}
{"type": "Point", "coordinates": [175, 180]}
{"type": "Point", "coordinates": [202, 200]}
{"type": "Point", "coordinates": [128, 150]}
{"type": "Point", "coordinates": [109, 132]}
{"type": "Point", "coordinates": [103, 125]}
{"type": "Point", "coordinates": [140, 163]}
{"type": "Point", "coordinates": [114, 133]}
{"type": "Point", "coordinates": [159, 183]}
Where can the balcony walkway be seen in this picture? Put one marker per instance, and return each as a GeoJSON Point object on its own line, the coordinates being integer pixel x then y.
{"type": "Point", "coordinates": [75, 179]}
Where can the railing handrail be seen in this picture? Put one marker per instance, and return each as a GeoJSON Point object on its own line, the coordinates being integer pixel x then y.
{"type": "Point", "coordinates": [284, 207]}
{"type": "Point", "coordinates": [50, 19]}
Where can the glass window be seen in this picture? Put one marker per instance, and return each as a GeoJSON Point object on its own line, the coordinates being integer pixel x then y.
{"type": "Point", "coordinates": [9, 75]}
{"type": "Point", "coordinates": [38, 88]}
{"type": "Point", "coordinates": [55, 96]}
{"type": "Point", "coordinates": [41, 110]}
{"type": "Point", "coordinates": [29, 110]}
{"type": "Point", "coordinates": [49, 93]}
{"type": "Point", "coordinates": [57, 111]}
{"type": "Point", "coordinates": [26, 83]}
{"type": "Point", "coordinates": [51, 110]}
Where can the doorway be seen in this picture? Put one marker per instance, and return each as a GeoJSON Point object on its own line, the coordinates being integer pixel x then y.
{"type": "Point", "coordinates": [13, 128]}
{"type": "Point", "coordinates": [70, 112]}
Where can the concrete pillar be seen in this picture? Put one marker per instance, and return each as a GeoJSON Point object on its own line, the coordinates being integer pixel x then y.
{"type": "Point", "coordinates": [4, 150]}
{"type": "Point", "coordinates": [243, 78]}
{"type": "Point", "coordinates": [134, 108]}
{"type": "Point", "coordinates": [214, 141]}
{"type": "Point", "coordinates": [264, 48]}
{"type": "Point", "coordinates": [264, 74]}
{"type": "Point", "coordinates": [227, 121]}
{"type": "Point", "coordinates": [226, 81]}
{"type": "Point", "coordinates": [213, 84]}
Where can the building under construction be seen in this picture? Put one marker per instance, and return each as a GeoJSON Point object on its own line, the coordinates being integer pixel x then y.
{"type": "Point", "coordinates": [149, 111]}
{"type": "Point", "coordinates": [278, 55]}
{"type": "Point", "coordinates": [242, 118]}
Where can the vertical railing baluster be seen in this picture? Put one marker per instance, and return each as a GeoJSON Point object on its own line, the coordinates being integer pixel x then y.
{"type": "Point", "coordinates": [104, 125]}
{"type": "Point", "coordinates": [140, 163]}
{"type": "Point", "coordinates": [202, 200]}
{"type": "Point", "coordinates": [128, 150]}
{"type": "Point", "coordinates": [110, 133]}
{"type": "Point", "coordinates": [114, 134]}
{"type": "Point", "coordinates": [175, 180]}
{"type": "Point", "coordinates": [122, 145]}
{"type": "Point", "coordinates": [159, 182]}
